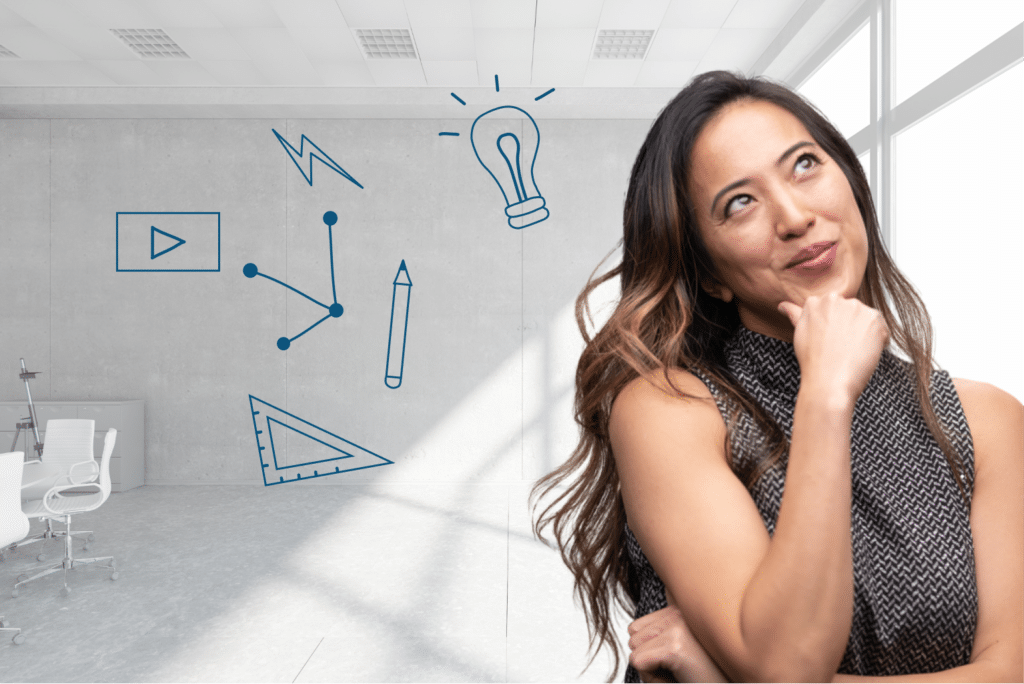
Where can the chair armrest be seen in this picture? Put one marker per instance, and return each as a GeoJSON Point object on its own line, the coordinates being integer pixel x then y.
{"type": "Point", "coordinates": [55, 493]}
{"type": "Point", "coordinates": [90, 477]}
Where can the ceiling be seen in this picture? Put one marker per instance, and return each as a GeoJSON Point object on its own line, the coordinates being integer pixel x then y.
{"type": "Point", "coordinates": [459, 43]}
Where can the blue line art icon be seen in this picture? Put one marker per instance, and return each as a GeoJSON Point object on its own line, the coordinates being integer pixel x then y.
{"type": "Point", "coordinates": [400, 293]}
{"type": "Point", "coordinates": [167, 241]}
{"type": "Point", "coordinates": [318, 154]}
{"type": "Point", "coordinates": [292, 449]}
{"type": "Point", "coordinates": [544, 94]}
{"type": "Point", "coordinates": [334, 310]}
{"type": "Point", "coordinates": [503, 155]}
{"type": "Point", "coordinates": [153, 254]}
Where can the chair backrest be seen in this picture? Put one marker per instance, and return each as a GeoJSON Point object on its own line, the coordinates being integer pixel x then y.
{"type": "Point", "coordinates": [108, 448]}
{"type": "Point", "coordinates": [68, 441]}
{"type": "Point", "coordinates": [14, 523]}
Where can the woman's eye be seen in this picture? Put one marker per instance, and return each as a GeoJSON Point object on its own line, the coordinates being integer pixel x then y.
{"type": "Point", "coordinates": [806, 162]}
{"type": "Point", "coordinates": [736, 203]}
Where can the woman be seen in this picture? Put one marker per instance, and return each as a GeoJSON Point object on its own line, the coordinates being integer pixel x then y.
{"type": "Point", "coordinates": [814, 504]}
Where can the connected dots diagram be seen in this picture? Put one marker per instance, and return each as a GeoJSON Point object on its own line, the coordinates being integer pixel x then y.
{"type": "Point", "coordinates": [334, 310]}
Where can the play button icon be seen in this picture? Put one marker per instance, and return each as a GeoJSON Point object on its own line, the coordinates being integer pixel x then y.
{"type": "Point", "coordinates": [148, 241]}
{"type": "Point", "coordinates": [153, 254]}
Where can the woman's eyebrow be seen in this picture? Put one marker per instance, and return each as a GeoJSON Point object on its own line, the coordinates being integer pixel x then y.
{"type": "Point", "coordinates": [744, 181]}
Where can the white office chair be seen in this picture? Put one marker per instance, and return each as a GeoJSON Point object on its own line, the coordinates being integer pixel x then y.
{"type": "Point", "coordinates": [56, 506]}
{"type": "Point", "coordinates": [13, 522]}
{"type": "Point", "coordinates": [67, 450]}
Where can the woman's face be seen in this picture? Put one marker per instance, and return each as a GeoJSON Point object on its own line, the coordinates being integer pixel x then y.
{"type": "Point", "coordinates": [762, 191]}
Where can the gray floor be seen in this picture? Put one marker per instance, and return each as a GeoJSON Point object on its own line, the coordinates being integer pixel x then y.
{"type": "Point", "coordinates": [389, 583]}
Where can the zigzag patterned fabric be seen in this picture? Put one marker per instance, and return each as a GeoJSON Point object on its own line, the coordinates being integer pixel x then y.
{"type": "Point", "coordinates": [915, 592]}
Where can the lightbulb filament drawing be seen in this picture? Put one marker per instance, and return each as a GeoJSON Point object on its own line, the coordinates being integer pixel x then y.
{"type": "Point", "coordinates": [334, 310]}
{"type": "Point", "coordinates": [504, 156]}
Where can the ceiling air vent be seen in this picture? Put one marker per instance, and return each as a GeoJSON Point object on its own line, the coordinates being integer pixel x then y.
{"type": "Point", "coordinates": [386, 43]}
{"type": "Point", "coordinates": [622, 44]}
{"type": "Point", "coordinates": [150, 43]}
{"type": "Point", "coordinates": [7, 54]}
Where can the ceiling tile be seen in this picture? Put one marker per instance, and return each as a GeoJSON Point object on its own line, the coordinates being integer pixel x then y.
{"type": "Point", "coordinates": [687, 14]}
{"type": "Point", "coordinates": [128, 72]}
{"type": "Point", "coordinates": [510, 73]}
{"type": "Point", "coordinates": [445, 44]}
{"type": "Point", "coordinates": [77, 73]}
{"type": "Point", "coordinates": [90, 42]}
{"type": "Point", "coordinates": [376, 14]}
{"type": "Point", "coordinates": [569, 13]}
{"type": "Point", "coordinates": [503, 13]}
{"type": "Point", "coordinates": [47, 12]}
{"type": "Point", "coordinates": [209, 43]}
{"type": "Point", "coordinates": [277, 55]}
{"type": "Point", "coordinates": [515, 44]}
{"type": "Point", "coordinates": [659, 74]}
{"type": "Point", "coordinates": [612, 73]}
{"type": "Point", "coordinates": [319, 28]}
{"type": "Point", "coordinates": [185, 72]}
{"type": "Point", "coordinates": [562, 72]}
{"type": "Point", "coordinates": [736, 49]}
{"type": "Point", "coordinates": [442, 13]}
{"type": "Point", "coordinates": [632, 14]}
{"type": "Point", "coordinates": [396, 72]}
{"type": "Point", "coordinates": [553, 44]}
{"type": "Point", "coordinates": [9, 17]}
{"type": "Point", "coordinates": [461, 73]}
{"type": "Point", "coordinates": [110, 14]}
{"type": "Point", "coordinates": [761, 14]}
{"type": "Point", "coordinates": [31, 43]}
{"type": "Point", "coordinates": [245, 13]}
{"type": "Point", "coordinates": [681, 44]}
{"type": "Point", "coordinates": [183, 13]}
{"type": "Point", "coordinates": [350, 74]}
{"type": "Point", "coordinates": [240, 72]}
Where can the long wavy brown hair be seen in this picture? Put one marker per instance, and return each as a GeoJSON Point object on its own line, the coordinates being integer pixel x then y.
{"type": "Point", "coordinates": [665, 319]}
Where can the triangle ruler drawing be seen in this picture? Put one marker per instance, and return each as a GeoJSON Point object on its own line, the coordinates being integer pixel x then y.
{"type": "Point", "coordinates": [292, 449]}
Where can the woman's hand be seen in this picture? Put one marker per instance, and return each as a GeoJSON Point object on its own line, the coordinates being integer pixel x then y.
{"type": "Point", "coordinates": [664, 649]}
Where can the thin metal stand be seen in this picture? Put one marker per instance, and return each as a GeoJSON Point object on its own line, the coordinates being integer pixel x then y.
{"type": "Point", "coordinates": [31, 423]}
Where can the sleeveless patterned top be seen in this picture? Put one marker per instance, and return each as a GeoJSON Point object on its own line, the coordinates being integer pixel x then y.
{"type": "Point", "coordinates": [915, 593]}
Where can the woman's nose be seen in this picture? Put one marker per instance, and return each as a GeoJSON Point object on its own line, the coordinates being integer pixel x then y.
{"type": "Point", "coordinates": [793, 216]}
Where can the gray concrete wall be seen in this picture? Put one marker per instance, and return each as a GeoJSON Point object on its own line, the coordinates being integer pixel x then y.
{"type": "Point", "coordinates": [491, 343]}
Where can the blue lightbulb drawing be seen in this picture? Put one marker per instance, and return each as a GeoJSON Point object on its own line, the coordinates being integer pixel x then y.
{"type": "Point", "coordinates": [510, 161]}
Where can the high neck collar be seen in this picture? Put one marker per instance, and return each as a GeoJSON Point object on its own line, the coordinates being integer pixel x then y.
{"type": "Point", "coordinates": [771, 360]}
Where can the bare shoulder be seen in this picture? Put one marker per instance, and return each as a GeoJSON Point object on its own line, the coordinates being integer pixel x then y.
{"type": "Point", "coordinates": [649, 405]}
{"type": "Point", "coordinates": [995, 418]}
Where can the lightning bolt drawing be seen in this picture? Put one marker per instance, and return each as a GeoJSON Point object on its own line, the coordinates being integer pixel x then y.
{"type": "Point", "coordinates": [318, 154]}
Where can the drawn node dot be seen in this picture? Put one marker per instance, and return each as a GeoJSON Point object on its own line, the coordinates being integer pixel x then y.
{"type": "Point", "coordinates": [330, 218]}
{"type": "Point", "coordinates": [250, 270]}
{"type": "Point", "coordinates": [336, 310]}
{"type": "Point", "coordinates": [283, 343]}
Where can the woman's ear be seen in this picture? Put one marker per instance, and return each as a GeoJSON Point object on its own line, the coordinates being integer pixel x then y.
{"type": "Point", "coordinates": [717, 290]}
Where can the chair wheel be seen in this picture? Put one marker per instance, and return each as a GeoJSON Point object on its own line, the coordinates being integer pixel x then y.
{"type": "Point", "coordinates": [92, 537]}
{"type": "Point", "coordinates": [65, 592]}
{"type": "Point", "coordinates": [41, 557]}
{"type": "Point", "coordinates": [5, 623]}
{"type": "Point", "coordinates": [85, 548]}
{"type": "Point", "coordinates": [113, 564]}
{"type": "Point", "coordinates": [14, 594]}
{"type": "Point", "coordinates": [19, 639]}
{"type": "Point", "coordinates": [114, 575]}
{"type": "Point", "coordinates": [22, 578]}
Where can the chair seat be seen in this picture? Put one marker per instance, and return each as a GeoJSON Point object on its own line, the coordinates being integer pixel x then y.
{"type": "Point", "coordinates": [67, 504]}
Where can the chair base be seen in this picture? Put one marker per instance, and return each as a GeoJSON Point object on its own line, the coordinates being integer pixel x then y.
{"type": "Point", "coordinates": [19, 638]}
{"type": "Point", "coordinates": [48, 533]}
{"type": "Point", "coordinates": [68, 563]}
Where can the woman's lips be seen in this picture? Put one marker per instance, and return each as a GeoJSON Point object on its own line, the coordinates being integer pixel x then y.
{"type": "Point", "coordinates": [820, 263]}
{"type": "Point", "coordinates": [810, 252]}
